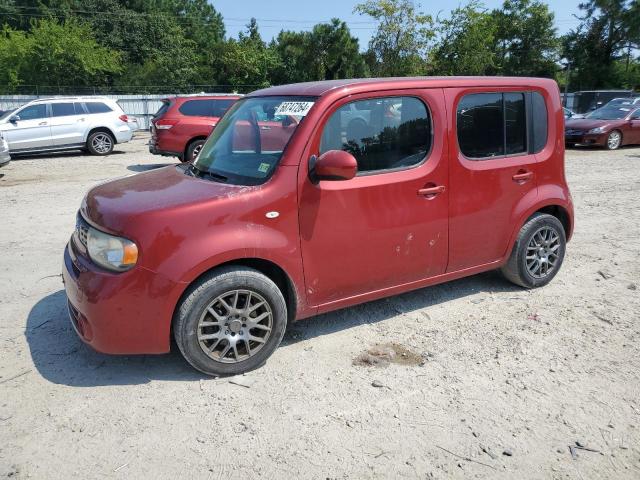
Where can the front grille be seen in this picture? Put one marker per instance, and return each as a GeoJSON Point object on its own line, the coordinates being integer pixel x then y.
{"type": "Point", "coordinates": [82, 230]}
{"type": "Point", "coordinates": [573, 131]}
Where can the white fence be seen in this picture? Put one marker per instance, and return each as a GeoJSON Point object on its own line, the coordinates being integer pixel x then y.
{"type": "Point", "coordinates": [141, 106]}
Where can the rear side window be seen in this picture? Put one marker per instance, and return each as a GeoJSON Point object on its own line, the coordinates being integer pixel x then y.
{"type": "Point", "coordinates": [163, 109]}
{"type": "Point", "coordinates": [497, 124]}
{"type": "Point", "coordinates": [221, 106]}
{"type": "Point", "coordinates": [197, 108]}
{"type": "Point", "coordinates": [62, 109]}
{"type": "Point", "coordinates": [539, 120]}
{"type": "Point", "coordinates": [97, 107]}
{"type": "Point", "coordinates": [382, 134]}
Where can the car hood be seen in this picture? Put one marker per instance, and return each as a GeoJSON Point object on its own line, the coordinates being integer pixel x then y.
{"type": "Point", "coordinates": [588, 123]}
{"type": "Point", "coordinates": [122, 205]}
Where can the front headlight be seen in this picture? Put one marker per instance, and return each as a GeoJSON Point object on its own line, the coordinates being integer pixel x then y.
{"type": "Point", "coordinates": [111, 252]}
{"type": "Point", "coordinates": [597, 130]}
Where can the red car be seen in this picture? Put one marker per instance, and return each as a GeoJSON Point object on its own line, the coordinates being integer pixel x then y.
{"type": "Point", "coordinates": [293, 209]}
{"type": "Point", "coordinates": [609, 126]}
{"type": "Point", "coordinates": [182, 125]}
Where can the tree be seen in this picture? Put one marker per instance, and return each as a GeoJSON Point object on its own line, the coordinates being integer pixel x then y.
{"type": "Point", "coordinates": [608, 32]}
{"type": "Point", "coordinates": [526, 40]}
{"type": "Point", "coordinates": [328, 52]}
{"type": "Point", "coordinates": [245, 63]}
{"type": "Point", "coordinates": [399, 46]}
{"type": "Point", "coordinates": [466, 42]}
{"type": "Point", "coordinates": [56, 54]}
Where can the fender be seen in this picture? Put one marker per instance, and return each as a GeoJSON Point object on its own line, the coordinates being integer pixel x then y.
{"type": "Point", "coordinates": [549, 195]}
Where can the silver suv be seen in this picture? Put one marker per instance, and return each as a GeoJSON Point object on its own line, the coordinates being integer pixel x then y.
{"type": "Point", "coordinates": [4, 151]}
{"type": "Point", "coordinates": [94, 124]}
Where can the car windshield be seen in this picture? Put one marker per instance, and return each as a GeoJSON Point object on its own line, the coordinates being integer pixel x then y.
{"type": "Point", "coordinates": [6, 114]}
{"type": "Point", "coordinates": [609, 113]}
{"type": "Point", "coordinates": [246, 145]}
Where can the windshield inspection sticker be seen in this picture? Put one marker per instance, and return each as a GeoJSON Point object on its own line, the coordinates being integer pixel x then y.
{"type": "Point", "coordinates": [264, 167]}
{"type": "Point", "coordinates": [299, 109]}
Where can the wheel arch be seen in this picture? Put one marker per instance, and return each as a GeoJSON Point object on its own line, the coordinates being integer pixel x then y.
{"type": "Point", "coordinates": [268, 268]}
{"type": "Point", "coordinates": [190, 141]}
{"type": "Point", "coordinates": [103, 130]}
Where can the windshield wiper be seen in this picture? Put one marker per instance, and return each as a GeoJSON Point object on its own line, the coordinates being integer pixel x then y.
{"type": "Point", "coordinates": [217, 176]}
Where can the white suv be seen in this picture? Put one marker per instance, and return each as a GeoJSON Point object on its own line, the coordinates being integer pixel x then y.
{"type": "Point", "coordinates": [94, 124]}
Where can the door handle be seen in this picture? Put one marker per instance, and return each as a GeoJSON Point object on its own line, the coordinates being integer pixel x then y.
{"type": "Point", "coordinates": [522, 176]}
{"type": "Point", "coordinates": [81, 119]}
{"type": "Point", "coordinates": [431, 192]}
{"type": "Point", "coordinates": [265, 128]}
{"type": "Point", "coordinates": [42, 123]}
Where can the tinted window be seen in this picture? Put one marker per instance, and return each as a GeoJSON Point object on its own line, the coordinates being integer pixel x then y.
{"type": "Point", "coordinates": [197, 108]}
{"type": "Point", "coordinates": [516, 123]}
{"type": "Point", "coordinates": [33, 112]}
{"type": "Point", "coordinates": [539, 120]}
{"type": "Point", "coordinates": [163, 109]}
{"type": "Point", "coordinates": [221, 106]}
{"type": "Point", "coordinates": [62, 109]}
{"type": "Point", "coordinates": [481, 125]}
{"type": "Point", "coordinates": [97, 107]}
{"type": "Point", "coordinates": [382, 134]}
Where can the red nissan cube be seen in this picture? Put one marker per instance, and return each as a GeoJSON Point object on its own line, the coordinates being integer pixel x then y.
{"type": "Point", "coordinates": [311, 197]}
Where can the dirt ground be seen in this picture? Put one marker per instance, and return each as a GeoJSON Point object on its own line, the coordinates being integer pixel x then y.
{"type": "Point", "coordinates": [509, 380]}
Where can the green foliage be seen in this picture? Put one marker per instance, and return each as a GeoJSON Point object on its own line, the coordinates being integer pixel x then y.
{"type": "Point", "coordinates": [55, 53]}
{"type": "Point", "coordinates": [609, 32]}
{"type": "Point", "coordinates": [399, 46]}
{"type": "Point", "coordinates": [526, 40]}
{"type": "Point", "coordinates": [466, 42]}
{"type": "Point", "coordinates": [328, 52]}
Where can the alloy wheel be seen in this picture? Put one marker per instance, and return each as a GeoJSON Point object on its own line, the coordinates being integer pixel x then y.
{"type": "Point", "coordinates": [102, 143]}
{"type": "Point", "coordinates": [235, 326]}
{"type": "Point", "coordinates": [614, 139]}
{"type": "Point", "coordinates": [542, 252]}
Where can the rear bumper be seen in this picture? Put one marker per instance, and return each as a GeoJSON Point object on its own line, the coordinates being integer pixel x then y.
{"type": "Point", "coordinates": [125, 313]}
{"type": "Point", "coordinates": [123, 134]}
{"type": "Point", "coordinates": [153, 148]}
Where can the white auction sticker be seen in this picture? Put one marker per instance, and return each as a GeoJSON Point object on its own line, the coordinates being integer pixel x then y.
{"type": "Point", "coordinates": [298, 109]}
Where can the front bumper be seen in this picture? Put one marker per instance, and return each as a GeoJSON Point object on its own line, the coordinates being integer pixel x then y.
{"type": "Point", "coordinates": [118, 313]}
{"type": "Point", "coordinates": [586, 138]}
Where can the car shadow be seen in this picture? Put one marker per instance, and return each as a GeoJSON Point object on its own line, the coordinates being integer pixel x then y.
{"type": "Point", "coordinates": [52, 155]}
{"type": "Point", "coordinates": [62, 358]}
{"type": "Point", "coordinates": [403, 304]}
{"type": "Point", "coordinates": [145, 168]}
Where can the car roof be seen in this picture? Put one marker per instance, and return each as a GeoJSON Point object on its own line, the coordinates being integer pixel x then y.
{"type": "Point", "coordinates": [319, 88]}
{"type": "Point", "coordinates": [215, 96]}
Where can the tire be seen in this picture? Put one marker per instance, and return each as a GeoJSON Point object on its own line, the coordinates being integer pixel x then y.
{"type": "Point", "coordinates": [522, 270]}
{"type": "Point", "coordinates": [100, 143]}
{"type": "Point", "coordinates": [197, 329]}
{"type": "Point", "coordinates": [614, 140]}
{"type": "Point", "coordinates": [193, 150]}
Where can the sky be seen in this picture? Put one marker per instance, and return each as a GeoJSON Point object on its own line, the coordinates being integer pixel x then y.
{"type": "Point", "coordinates": [276, 15]}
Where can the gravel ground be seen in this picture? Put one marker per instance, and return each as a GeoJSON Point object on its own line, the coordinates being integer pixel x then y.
{"type": "Point", "coordinates": [510, 378]}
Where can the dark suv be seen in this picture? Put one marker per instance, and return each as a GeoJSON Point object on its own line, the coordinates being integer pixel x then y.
{"type": "Point", "coordinates": [182, 124]}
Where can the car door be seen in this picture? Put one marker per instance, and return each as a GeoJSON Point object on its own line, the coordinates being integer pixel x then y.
{"type": "Point", "coordinates": [68, 123]}
{"type": "Point", "coordinates": [30, 130]}
{"type": "Point", "coordinates": [491, 170]}
{"type": "Point", "coordinates": [387, 226]}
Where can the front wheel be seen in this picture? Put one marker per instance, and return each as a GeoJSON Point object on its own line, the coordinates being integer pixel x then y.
{"type": "Point", "coordinates": [231, 321]}
{"type": "Point", "coordinates": [614, 140]}
{"type": "Point", "coordinates": [100, 143]}
{"type": "Point", "coordinates": [538, 252]}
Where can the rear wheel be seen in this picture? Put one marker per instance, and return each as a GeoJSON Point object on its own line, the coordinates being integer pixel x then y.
{"type": "Point", "coordinates": [193, 150]}
{"type": "Point", "coordinates": [614, 140]}
{"type": "Point", "coordinates": [538, 252]}
{"type": "Point", "coordinates": [231, 321]}
{"type": "Point", "coordinates": [100, 143]}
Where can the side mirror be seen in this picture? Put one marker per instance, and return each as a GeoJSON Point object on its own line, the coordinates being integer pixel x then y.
{"type": "Point", "coordinates": [14, 118]}
{"type": "Point", "coordinates": [333, 165]}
